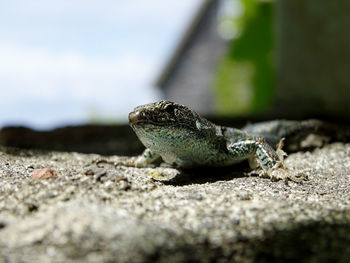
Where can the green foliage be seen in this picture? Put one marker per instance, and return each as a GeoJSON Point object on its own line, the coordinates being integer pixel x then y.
{"type": "Point", "coordinates": [245, 79]}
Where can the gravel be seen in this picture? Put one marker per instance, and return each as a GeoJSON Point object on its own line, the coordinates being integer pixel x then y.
{"type": "Point", "coordinates": [96, 212]}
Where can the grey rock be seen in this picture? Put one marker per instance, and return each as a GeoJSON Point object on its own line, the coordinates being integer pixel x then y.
{"type": "Point", "coordinates": [125, 216]}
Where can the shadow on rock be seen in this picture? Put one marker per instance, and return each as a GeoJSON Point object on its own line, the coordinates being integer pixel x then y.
{"type": "Point", "coordinates": [204, 175]}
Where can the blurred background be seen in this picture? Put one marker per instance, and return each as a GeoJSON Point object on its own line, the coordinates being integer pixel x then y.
{"type": "Point", "coordinates": [67, 62]}
{"type": "Point", "coordinates": [79, 67]}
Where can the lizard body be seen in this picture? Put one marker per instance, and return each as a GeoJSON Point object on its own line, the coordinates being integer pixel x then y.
{"type": "Point", "coordinates": [185, 139]}
{"type": "Point", "coordinates": [181, 137]}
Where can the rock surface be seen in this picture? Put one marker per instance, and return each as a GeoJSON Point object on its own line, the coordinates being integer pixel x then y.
{"type": "Point", "coordinates": [102, 213]}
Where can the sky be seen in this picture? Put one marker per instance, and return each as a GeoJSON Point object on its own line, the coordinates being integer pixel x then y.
{"type": "Point", "coordinates": [68, 62]}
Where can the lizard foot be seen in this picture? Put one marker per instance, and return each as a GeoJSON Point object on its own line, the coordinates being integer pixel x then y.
{"type": "Point", "coordinates": [164, 174]}
{"type": "Point", "coordinates": [280, 172]}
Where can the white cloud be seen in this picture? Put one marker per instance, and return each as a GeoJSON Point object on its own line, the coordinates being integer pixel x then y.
{"type": "Point", "coordinates": [111, 10]}
{"type": "Point", "coordinates": [59, 59]}
{"type": "Point", "coordinates": [41, 77]}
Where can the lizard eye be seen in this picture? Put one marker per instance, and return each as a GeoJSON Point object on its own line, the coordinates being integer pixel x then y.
{"type": "Point", "coordinates": [169, 109]}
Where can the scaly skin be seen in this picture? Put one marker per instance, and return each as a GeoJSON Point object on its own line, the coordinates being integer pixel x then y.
{"type": "Point", "coordinates": [183, 138]}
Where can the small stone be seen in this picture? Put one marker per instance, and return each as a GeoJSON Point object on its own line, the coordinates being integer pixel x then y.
{"type": "Point", "coordinates": [100, 176]}
{"type": "Point", "coordinates": [33, 207]}
{"type": "Point", "coordinates": [89, 171]}
{"type": "Point", "coordinates": [44, 173]}
{"type": "Point", "coordinates": [124, 186]}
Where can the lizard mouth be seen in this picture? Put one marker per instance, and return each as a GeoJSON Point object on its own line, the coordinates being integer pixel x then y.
{"type": "Point", "coordinates": [140, 117]}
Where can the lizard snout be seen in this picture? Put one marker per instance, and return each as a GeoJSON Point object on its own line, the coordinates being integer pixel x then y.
{"type": "Point", "coordinates": [138, 116]}
{"type": "Point", "coordinates": [134, 116]}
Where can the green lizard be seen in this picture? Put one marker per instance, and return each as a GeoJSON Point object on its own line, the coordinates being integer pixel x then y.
{"type": "Point", "coordinates": [182, 138]}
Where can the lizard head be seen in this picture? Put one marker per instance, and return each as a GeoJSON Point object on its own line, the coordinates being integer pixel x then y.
{"type": "Point", "coordinates": [175, 132]}
{"type": "Point", "coordinates": [167, 123]}
{"type": "Point", "coordinates": [165, 113]}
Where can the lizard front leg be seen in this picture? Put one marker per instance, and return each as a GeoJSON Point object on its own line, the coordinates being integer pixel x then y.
{"type": "Point", "coordinates": [147, 157]}
{"type": "Point", "coordinates": [265, 155]}
{"type": "Point", "coordinates": [270, 161]}
{"type": "Point", "coordinates": [159, 174]}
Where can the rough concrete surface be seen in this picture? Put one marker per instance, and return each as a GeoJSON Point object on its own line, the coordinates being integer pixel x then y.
{"type": "Point", "coordinates": [102, 213]}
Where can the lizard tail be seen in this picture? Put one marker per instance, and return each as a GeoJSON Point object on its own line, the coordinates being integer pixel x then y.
{"type": "Point", "coordinates": [296, 131]}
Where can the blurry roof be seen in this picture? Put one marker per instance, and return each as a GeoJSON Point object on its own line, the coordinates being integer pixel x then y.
{"type": "Point", "coordinates": [185, 41]}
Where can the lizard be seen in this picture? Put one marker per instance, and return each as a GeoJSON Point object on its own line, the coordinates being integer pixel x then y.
{"type": "Point", "coordinates": [184, 139]}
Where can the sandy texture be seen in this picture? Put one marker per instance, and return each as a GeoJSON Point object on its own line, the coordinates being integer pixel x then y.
{"type": "Point", "coordinates": [102, 213]}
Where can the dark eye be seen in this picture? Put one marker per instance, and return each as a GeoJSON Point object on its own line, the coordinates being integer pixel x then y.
{"type": "Point", "coordinates": [169, 108]}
